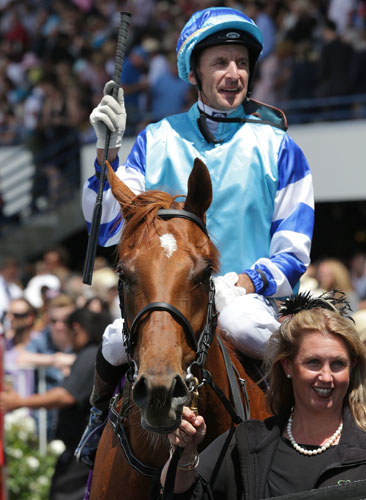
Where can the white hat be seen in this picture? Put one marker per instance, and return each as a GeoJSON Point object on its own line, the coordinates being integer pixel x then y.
{"type": "Point", "coordinates": [33, 290]}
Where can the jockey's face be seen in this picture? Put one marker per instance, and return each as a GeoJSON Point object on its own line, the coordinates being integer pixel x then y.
{"type": "Point", "coordinates": [224, 74]}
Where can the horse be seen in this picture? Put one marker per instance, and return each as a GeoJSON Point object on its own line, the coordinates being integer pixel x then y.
{"type": "Point", "coordinates": [166, 262]}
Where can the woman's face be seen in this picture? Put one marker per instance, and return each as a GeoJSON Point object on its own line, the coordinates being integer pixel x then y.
{"type": "Point", "coordinates": [320, 373]}
{"type": "Point", "coordinates": [325, 276]}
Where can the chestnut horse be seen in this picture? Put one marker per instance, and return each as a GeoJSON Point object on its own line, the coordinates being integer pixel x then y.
{"type": "Point", "coordinates": [166, 260]}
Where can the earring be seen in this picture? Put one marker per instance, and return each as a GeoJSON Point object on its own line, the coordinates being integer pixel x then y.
{"type": "Point", "coordinates": [288, 375]}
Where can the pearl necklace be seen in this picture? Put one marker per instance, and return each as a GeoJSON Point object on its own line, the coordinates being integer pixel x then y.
{"type": "Point", "coordinates": [302, 450]}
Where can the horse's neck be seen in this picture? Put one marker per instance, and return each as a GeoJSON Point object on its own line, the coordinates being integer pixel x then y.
{"type": "Point", "coordinates": [211, 406]}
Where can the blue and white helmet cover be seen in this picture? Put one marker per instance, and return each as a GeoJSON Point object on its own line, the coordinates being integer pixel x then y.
{"type": "Point", "coordinates": [203, 24]}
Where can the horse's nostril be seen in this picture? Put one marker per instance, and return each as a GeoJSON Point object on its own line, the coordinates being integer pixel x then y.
{"type": "Point", "coordinates": [140, 392]}
{"type": "Point", "coordinates": [179, 388]}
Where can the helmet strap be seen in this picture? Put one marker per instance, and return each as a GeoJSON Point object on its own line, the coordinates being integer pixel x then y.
{"type": "Point", "coordinates": [264, 114]}
{"type": "Point", "coordinates": [198, 85]}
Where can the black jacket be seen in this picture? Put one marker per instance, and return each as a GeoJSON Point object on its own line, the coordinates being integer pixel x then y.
{"type": "Point", "coordinates": [236, 465]}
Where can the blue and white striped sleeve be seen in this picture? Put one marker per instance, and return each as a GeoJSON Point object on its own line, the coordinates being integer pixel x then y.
{"type": "Point", "coordinates": [292, 226]}
{"type": "Point", "coordinates": [133, 174]}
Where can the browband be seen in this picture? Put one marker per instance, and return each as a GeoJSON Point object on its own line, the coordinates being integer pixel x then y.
{"type": "Point", "coordinates": [184, 214]}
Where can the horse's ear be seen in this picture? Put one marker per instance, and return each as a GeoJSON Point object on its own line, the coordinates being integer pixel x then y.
{"type": "Point", "coordinates": [199, 194]}
{"type": "Point", "coordinates": [121, 192]}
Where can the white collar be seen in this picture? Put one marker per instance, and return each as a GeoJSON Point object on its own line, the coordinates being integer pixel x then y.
{"type": "Point", "coordinates": [212, 111]}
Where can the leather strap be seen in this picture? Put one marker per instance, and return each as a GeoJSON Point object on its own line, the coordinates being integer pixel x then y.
{"type": "Point", "coordinates": [177, 315]}
{"type": "Point", "coordinates": [115, 420]}
{"type": "Point", "coordinates": [242, 412]}
{"type": "Point", "coordinates": [170, 213]}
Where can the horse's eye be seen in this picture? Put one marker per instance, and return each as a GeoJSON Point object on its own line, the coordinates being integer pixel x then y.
{"type": "Point", "coordinates": [121, 274]}
{"type": "Point", "coordinates": [206, 275]}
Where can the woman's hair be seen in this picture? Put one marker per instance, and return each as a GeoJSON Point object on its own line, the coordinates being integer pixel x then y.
{"type": "Point", "coordinates": [284, 344]}
{"type": "Point", "coordinates": [92, 322]}
{"type": "Point", "coordinates": [340, 275]}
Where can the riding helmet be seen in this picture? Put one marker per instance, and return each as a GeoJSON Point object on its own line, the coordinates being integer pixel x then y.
{"type": "Point", "coordinates": [217, 26]}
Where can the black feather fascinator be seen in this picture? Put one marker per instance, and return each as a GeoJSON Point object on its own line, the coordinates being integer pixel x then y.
{"type": "Point", "coordinates": [334, 300]}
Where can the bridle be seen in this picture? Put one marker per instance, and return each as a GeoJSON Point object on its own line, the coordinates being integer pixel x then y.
{"type": "Point", "coordinates": [201, 344]}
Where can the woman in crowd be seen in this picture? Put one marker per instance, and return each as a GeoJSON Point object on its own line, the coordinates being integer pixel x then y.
{"type": "Point", "coordinates": [333, 274]}
{"type": "Point", "coordinates": [317, 436]}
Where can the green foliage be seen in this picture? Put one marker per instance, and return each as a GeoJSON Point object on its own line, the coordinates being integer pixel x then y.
{"type": "Point", "coordinates": [28, 472]}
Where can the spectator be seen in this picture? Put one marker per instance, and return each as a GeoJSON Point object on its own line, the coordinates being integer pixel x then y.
{"type": "Point", "coordinates": [142, 15]}
{"type": "Point", "coordinates": [303, 79]}
{"type": "Point", "coordinates": [56, 261]}
{"type": "Point", "coordinates": [55, 342]}
{"type": "Point", "coordinates": [135, 85]}
{"type": "Point", "coordinates": [105, 286]}
{"type": "Point", "coordinates": [60, 161]}
{"type": "Point", "coordinates": [260, 11]}
{"type": "Point", "coordinates": [308, 281]}
{"type": "Point", "coordinates": [317, 393]}
{"type": "Point", "coordinates": [10, 286]}
{"type": "Point", "coordinates": [158, 61]}
{"type": "Point", "coordinates": [98, 305]}
{"type": "Point", "coordinates": [358, 274]}
{"type": "Point", "coordinates": [54, 143]}
{"type": "Point", "coordinates": [359, 318]}
{"type": "Point", "coordinates": [304, 23]}
{"type": "Point", "coordinates": [71, 399]}
{"type": "Point", "coordinates": [273, 83]}
{"type": "Point", "coordinates": [335, 63]}
{"type": "Point", "coordinates": [169, 94]}
{"type": "Point", "coordinates": [341, 12]}
{"type": "Point", "coordinates": [22, 317]}
{"type": "Point", "coordinates": [42, 287]}
{"type": "Point", "coordinates": [333, 274]}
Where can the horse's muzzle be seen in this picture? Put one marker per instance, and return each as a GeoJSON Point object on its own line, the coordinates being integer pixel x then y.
{"type": "Point", "coordinates": [160, 406]}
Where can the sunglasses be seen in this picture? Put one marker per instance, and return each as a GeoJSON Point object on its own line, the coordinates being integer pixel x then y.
{"type": "Point", "coordinates": [19, 315]}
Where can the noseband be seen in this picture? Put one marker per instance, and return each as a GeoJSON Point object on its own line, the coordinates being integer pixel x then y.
{"type": "Point", "coordinates": [203, 343]}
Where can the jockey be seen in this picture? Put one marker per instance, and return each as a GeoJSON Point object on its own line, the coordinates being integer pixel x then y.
{"type": "Point", "coordinates": [262, 214]}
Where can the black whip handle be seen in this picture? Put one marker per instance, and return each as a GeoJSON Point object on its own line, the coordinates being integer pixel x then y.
{"type": "Point", "coordinates": [97, 212]}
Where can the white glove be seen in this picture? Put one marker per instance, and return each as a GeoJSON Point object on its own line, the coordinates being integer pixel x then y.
{"type": "Point", "coordinates": [226, 291]}
{"type": "Point", "coordinates": [110, 113]}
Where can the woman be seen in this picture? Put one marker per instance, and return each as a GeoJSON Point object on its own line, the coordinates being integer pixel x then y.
{"type": "Point", "coordinates": [333, 274]}
{"type": "Point", "coordinates": [317, 436]}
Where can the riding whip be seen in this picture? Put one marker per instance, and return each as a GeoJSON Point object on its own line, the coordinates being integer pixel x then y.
{"type": "Point", "coordinates": [97, 212]}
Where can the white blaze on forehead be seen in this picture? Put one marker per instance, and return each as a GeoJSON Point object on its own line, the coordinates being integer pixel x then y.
{"type": "Point", "coordinates": [169, 244]}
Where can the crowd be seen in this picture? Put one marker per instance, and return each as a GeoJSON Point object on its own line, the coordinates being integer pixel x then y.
{"type": "Point", "coordinates": [51, 326]}
{"type": "Point", "coordinates": [55, 58]}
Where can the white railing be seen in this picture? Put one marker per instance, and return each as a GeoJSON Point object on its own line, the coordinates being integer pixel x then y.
{"type": "Point", "coordinates": [22, 389]}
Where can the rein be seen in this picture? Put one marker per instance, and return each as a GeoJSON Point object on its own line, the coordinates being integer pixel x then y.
{"type": "Point", "coordinates": [200, 346]}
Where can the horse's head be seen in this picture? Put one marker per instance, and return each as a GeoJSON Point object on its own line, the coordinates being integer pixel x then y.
{"type": "Point", "coordinates": [165, 266]}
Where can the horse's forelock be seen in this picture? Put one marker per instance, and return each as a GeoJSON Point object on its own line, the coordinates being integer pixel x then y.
{"type": "Point", "coordinates": [144, 208]}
